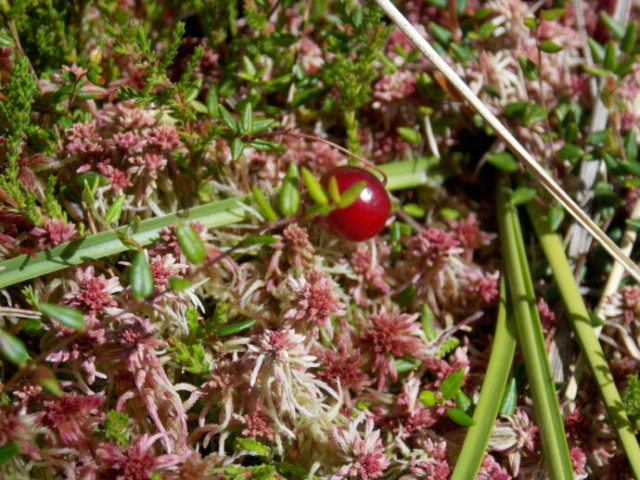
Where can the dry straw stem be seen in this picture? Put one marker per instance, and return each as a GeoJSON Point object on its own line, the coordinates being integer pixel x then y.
{"type": "Point", "coordinates": [516, 147]}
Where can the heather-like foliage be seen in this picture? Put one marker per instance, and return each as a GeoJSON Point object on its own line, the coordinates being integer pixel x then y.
{"type": "Point", "coordinates": [248, 341]}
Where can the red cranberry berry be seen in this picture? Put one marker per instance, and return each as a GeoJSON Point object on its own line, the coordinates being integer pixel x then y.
{"type": "Point", "coordinates": [367, 215]}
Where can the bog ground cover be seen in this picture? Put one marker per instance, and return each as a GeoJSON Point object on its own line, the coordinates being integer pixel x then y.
{"type": "Point", "coordinates": [195, 285]}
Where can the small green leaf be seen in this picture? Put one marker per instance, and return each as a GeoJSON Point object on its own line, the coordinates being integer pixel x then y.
{"type": "Point", "coordinates": [8, 451]}
{"type": "Point", "coordinates": [396, 232]}
{"type": "Point", "coordinates": [487, 29]}
{"type": "Point", "coordinates": [531, 22]}
{"type": "Point", "coordinates": [515, 109]}
{"type": "Point", "coordinates": [450, 386]}
{"type": "Point", "coordinates": [411, 135]}
{"type": "Point", "coordinates": [248, 67]}
{"type": "Point", "coordinates": [428, 398]}
{"type": "Point", "coordinates": [246, 117]}
{"type": "Point", "coordinates": [459, 417]}
{"type": "Point", "coordinates": [628, 42]}
{"type": "Point", "coordinates": [304, 95]}
{"type": "Point", "coordinates": [289, 197]}
{"type": "Point", "coordinates": [92, 179]}
{"type": "Point", "coordinates": [414, 210]}
{"type": "Point", "coordinates": [611, 57]}
{"type": "Point", "coordinates": [632, 167]}
{"type": "Point", "coordinates": [534, 113]}
{"type": "Point", "coordinates": [450, 213]}
{"type": "Point", "coordinates": [440, 33]}
{"type": "Point", "coordinates": [570, 152]}
{"type": "Point", "coordinates": [190, 242]}
{"type": "Point", "coordinates": [12, 348]}
{"type": "Point", "coordinates": [509, 398]}
{"type": "Point", "coordinates": [427, 319]}
{"type": "Point", "coordinates": [140, 276]}
{"type": "Point", "coordinates": [191, 93]}
{"type": "Point", "coordinates": [233, 328]}
{"type": "Point", "coordinates": [522, 195]}
{"type": "Point", "coordinates": [115, 210]}
{"type": "Point", "coordinates": [264, 205]}
{"type": "Point", "coordinates": [595, 320]}
{"type": "Point", "coordinates": [261, 125]}
{"type": "Point", "coordinates": [625, 67]}
{"type": "Point", "coordinates": [315, 189]}
{"type": "Point", "coordinates": [548, 46]}
{"type": "Point", "coordinates": [212, 101]}
{"type": "Point", "coordinates": [45, 377]}
{"type": "Point", "coordinates": [67, 316]}
{"type": "Point", "coordinates": [267, 146]}
{"type": "Point", "coordinates": [405, 296]}
{"type": "Point", "coordinates": [529, 69]}
{"type": "Point", "coordinates": [616, 28]}
{"type": "Point", "coordinates": [228, 119]}
{"type": "Point", "coordinates": [556, 217]}
{"type": "Point", "coordinates": [351, 194]}
{"type": "Point", "coordinates": [334, 191]}
{"type": "Point", "coordinates": [406, 364]}
{"type": "Point", "coordinates": [597, 50]}
{"type": "Point", "coordinates": [463, 402]}
{"type": "Point", "coordinates": [237, 147]}
{"type": "Point", "coordinates": [178, 284]}
{"type": "Point", "coordinates": [504, 161]}
{"type": "Point", "coordinates": [552, 14]}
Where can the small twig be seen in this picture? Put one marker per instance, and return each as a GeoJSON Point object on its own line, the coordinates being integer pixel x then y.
{"type": "Point", "coordinates": [516, 147]}
{"type": "Point", "coordinates": [16, 41]}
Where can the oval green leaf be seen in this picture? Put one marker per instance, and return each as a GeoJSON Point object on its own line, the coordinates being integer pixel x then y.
{"type": "Point", "coordinates": [212, 101]}
{"type": "Point", "coordinates": [233, 328]}
{"type": "Point", "coordinates": [115, 210]}
{"type": "Point", "coordinates": [140, 276]}
{"type": "Point", "coordinates": [67, 316]}
{"type": "Point", "coordinates": [510, 398]}
{"type": "Point", "coordinates": [246, 118]}
{"type": "Point", "coordinates": [547, 46]}
{"type": "Point", "coordinates": [177, 284]}
{"type": "Point", "coordinates": [414, 210]}
{"type": "Point", "coordinates": [45, 377]}
{"type": "Point", "coordinates": [450, 386]}
{"type": "Point", "coordinates": [334, 191]}
{"type": "Point", "coordinates": [12, 348]}
{"type": "Point", "coordinates": [315, 189]}
{"type": "Point", "coordinates": [265, 207]}
{"type": "Point", "coordinates": [237, 147]}
{"type": "Point", "coordinates": [504, 161]}
{"type": "Point", "coordinates": [459, 417]}
{"type": "Point", "coordinates": [8, 451]}
{"type": "Point", "coordinates": [428, 398]}
{"type": "Point", "coordinates": [351, 194]}
{"type": "Point", "coordinates": [190, 242]}
{"type": "Point", "coordinates": [411, 135]}
{"type": "Point", "coordinates": [522, 195]}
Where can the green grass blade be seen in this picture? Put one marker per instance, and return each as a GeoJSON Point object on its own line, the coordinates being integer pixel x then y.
{"type": "Point", "coordinates": [531, 340]}
{"type": "Point", "coordinates": [585, 334]}
{"type": "Point", "coordinates": [495, 380]}
{"type": "Point", "coordinates": [104, 244]}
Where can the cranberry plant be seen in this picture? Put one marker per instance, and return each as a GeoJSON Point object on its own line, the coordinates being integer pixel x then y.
{"type": "Point", "coordinates": [269, 239]}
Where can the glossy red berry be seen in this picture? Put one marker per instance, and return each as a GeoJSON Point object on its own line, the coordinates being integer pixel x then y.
{"type": "Point", "coordinates": [367, 215]}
